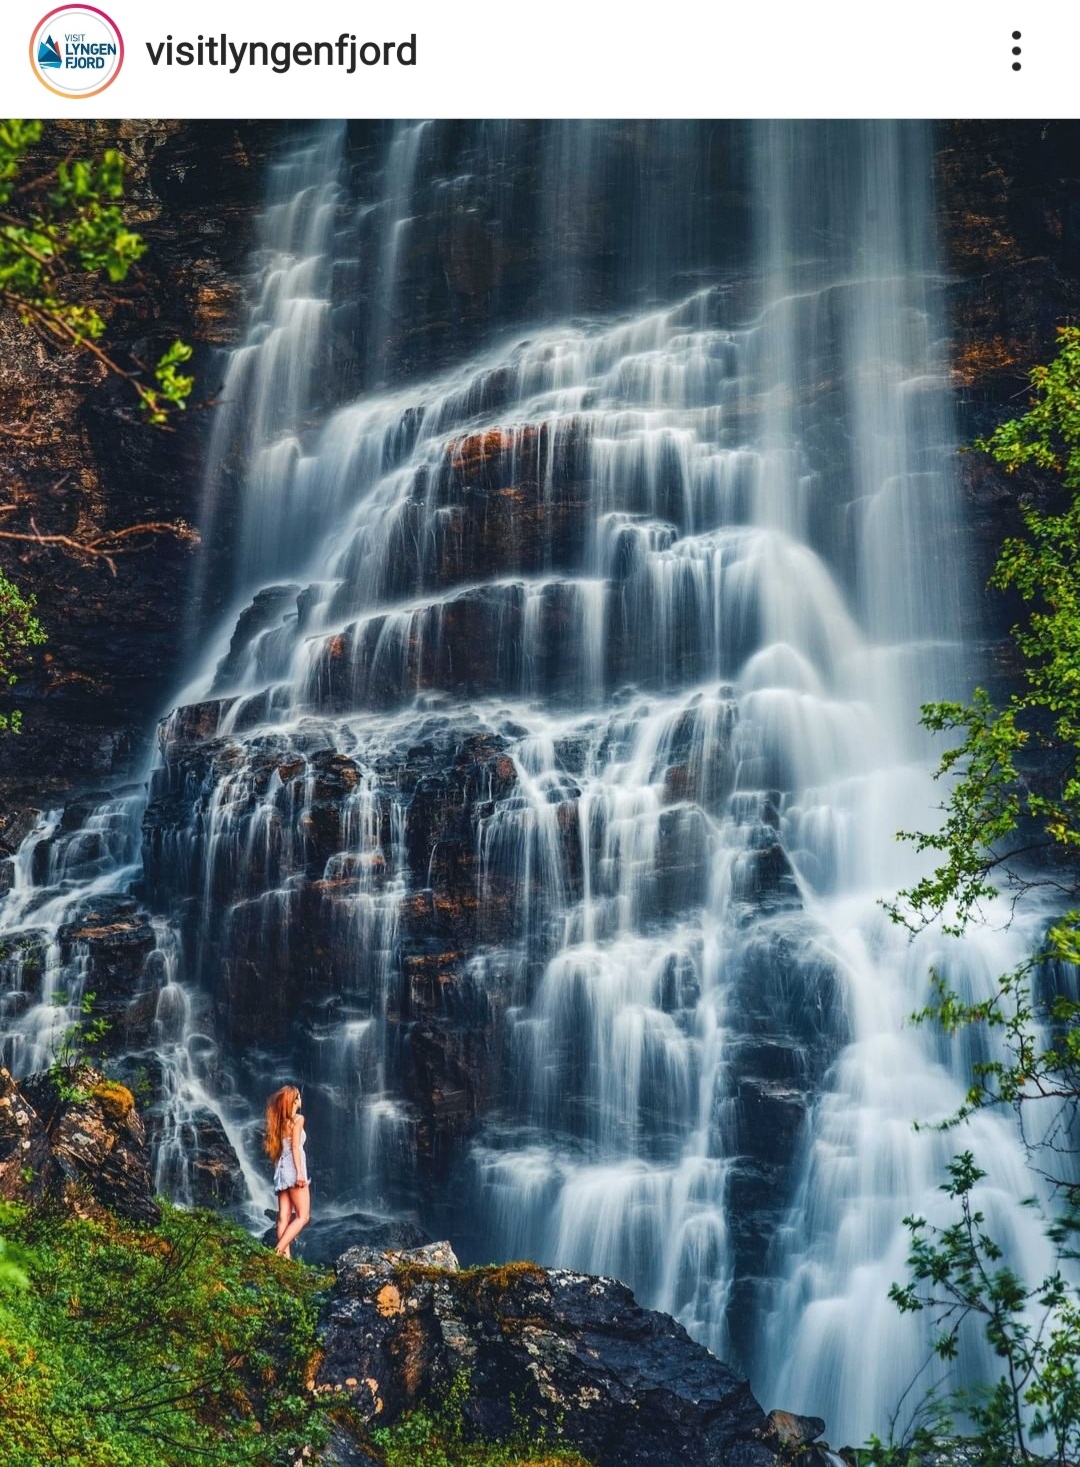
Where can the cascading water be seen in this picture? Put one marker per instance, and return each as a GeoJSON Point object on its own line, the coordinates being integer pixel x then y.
{"type": "Point", "coordinates": [540, 821]}
{"type": "Point", "coordinates": [272, 380]}
{"type": "Point", "coordinates": [68, 867]}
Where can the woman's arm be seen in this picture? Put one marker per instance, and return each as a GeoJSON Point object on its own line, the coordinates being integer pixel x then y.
{"type": "Point", "coordinates": [297, 1153]}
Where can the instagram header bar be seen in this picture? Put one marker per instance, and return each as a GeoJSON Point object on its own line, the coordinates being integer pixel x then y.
{"type": "Point", "coordinates": [556, 59]}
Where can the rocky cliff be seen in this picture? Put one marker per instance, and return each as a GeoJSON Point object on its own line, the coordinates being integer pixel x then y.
{"type": "Point", "coordinates": [78, 460]}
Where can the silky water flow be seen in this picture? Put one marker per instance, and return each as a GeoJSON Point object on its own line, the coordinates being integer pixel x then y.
{"type": "Point", "coordinates": [670, 546]}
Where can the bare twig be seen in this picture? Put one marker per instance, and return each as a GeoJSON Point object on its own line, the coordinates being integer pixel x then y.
{"type": "Point", "coordinates": [106, 546]}
{"type": "Point", "coordinates": [46, 179]}
{"type": "Point", "coordinates": [58, 329]}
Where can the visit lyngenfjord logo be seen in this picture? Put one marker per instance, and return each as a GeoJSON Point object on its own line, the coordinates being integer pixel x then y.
{"type": "Point", "coordinates": [48, 53]}
{"type": "Point", "coordinates": [76, 51]}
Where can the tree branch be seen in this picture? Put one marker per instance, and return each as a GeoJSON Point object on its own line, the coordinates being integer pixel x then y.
{"type": "Point", "coordinates": [105, 547]}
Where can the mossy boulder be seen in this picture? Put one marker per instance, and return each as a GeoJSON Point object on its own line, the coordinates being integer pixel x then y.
{"type": "Point", "coordinates": [540, 1354]}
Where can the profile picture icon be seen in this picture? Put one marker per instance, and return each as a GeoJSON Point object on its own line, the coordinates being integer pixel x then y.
{"type": "Point", "coordinates": [76, 51]}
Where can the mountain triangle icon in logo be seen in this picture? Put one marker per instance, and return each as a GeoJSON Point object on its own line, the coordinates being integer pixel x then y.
{"type": "Point", "coordinates": [48, 53]}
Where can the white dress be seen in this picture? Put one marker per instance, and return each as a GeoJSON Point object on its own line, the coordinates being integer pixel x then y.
{"type": "Point", "coordinates": [285, 1171]}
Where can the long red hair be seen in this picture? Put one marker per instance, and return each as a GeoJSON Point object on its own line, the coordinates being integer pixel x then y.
{"type": "Point", "coordinates": [278, 1118]}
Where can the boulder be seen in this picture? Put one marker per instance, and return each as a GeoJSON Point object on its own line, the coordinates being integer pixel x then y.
{"type": "Point", "coordinates": [96, 1142]}
{"type": "Point", "coordinates": [343, 1450]}
{"type": "Point", "coordinates": [793, 1431]}
{"type": "Point", "coordinates": [563, 1356]}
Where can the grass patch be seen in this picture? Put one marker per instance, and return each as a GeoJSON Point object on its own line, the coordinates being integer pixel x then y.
{"type": "Point", "coordinates": [126, 1347]}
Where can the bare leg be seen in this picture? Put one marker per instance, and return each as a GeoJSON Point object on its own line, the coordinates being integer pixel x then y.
{"type": "Point", "coordinates": [284, 1214]}
{"type": "Point", "coordinates": [300, 1198]}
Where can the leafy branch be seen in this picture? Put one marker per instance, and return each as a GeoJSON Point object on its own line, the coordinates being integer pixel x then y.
{"type": "Point", "coordinates": [55, 232]}
{"type": "Point", "coordinates": [958, 1273]}
{"type": "Point", "coordinates": [80, 1044]}
{"type": "Point", "coordinates": [1011, 827]}
{"type": "Point", "coordinates": [20, 630]}
{"type": "Point", "coordinates": [64, 248]}
{"type": "Point", "coordinates": [1011, 816]}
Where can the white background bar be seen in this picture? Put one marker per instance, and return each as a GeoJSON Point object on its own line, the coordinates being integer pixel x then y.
{"type": "Point", "coordinates": [590, 58]}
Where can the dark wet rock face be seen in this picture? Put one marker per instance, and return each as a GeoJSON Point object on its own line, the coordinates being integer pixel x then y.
{"type": "Point", "coordinates": [564, 1356]}
{"type": "Point", "coordinates": [22, 963]}
{"type": "Point", "coordinates": [325, 1239]}
{"type": "Point", "coordinates": [212, 1170]}
{"type": "Point", "coordinates": [194, 1160]}
{"type": "Point", "coordinates": [269, 608]}
{"type": "Point", "coordinates": [388, 836]}
{"type": "Point", "coordinates": [111, 938]}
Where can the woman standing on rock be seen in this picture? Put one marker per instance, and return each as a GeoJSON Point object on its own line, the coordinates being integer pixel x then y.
{"type": "Point", "coordinates": [285, 1147]}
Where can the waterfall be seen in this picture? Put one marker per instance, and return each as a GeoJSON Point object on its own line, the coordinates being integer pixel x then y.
{"type": "Point", "coordinates": [272, 381]}
{"type": "Point", "coordinates": [539, 808]}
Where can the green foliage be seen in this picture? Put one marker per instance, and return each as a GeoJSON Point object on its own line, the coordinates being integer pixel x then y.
{"type": "Point", "coordinates": [20, 630]}
{"type": "Point", "coordinates": [1012, 813]}
{"type": "Point", "coordinates": [129, 1348]}
{"type": "Point", "coordinates": [80, 1047]}
{"type": "Point", "coordinates": [13, 1259]}
{"type": "Point", "coordinates": [1011, 826]}
{"type": "Point", "coordinates": [174, 386]}
{"type": "Point", "coordinates": [926, 1445]}
{"type": "Point", "coordinates": [983, 809]}
{"type": "Point", "coordinates": [438, 1437]}
{"type": "Point", "coordinates": [1032, 1412]}
{"type": "Point", "coordinates": [61, 231]}
{"type": "Point", "coordinates": [1048, 434]}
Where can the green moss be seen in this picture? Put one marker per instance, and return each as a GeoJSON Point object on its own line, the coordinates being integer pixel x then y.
{"type": "Point", "coordinates": [418, 1441]}
{"type": "Point", "coordinates": [493, 1278]}
{"type": "Point", "coordinates": [501, 1276]}
{"type": "Point", "coordinates": [116, 1099]}
{"type": "Point", "coordinates": [135, 1348]}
